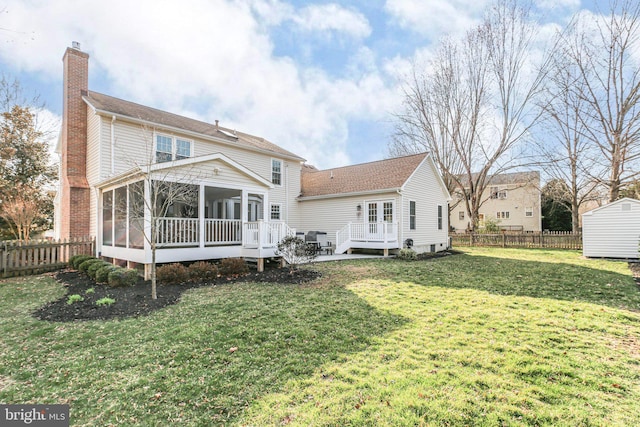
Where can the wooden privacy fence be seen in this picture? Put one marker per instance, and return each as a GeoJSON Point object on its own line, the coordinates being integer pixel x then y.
{"type": "Point", "coordinates": [549, 239]}
{"type": "Point", "coordinates": [19, 258]}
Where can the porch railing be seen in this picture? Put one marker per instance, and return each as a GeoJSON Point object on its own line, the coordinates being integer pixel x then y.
{"type": "Point", "coordinates": [178, 232]}
{"type": "Point", "coordinates": [265, 234]}
{"type": "Point", "coordinates": [223, 231]}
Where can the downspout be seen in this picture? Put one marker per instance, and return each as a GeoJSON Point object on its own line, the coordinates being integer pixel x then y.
{"type": "Point", "coordinates": [401, 222]}
{"type": "Point", "coordinates": [113, 145]}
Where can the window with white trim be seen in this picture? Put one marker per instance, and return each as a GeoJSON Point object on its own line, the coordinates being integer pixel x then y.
{"type": "Point", "coordinates": [439, 217]}
{"type": "Point", "coordinates": [276, 212]}
{"type": "Point", "coordinates": [528, 212]}
{"type": "Point", "coordinates": [412, 215]}
{"type": "Point", "coordinates": [461, 215]}
{"type": "Point", "coordinates": [276, 171]}
{"type": "Point", "coordinates": [503, 215]}
{"type": "Point", "coordinates": [169, 148]}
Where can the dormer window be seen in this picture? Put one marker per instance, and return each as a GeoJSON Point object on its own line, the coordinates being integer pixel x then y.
{"type": "Point", "coordinates": [169, 148]}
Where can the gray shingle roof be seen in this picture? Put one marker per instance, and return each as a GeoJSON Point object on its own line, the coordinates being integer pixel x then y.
{"type": "Point", "coordinates": [389, 174]}
{"type": "Point", "coordinates": [162, 118]}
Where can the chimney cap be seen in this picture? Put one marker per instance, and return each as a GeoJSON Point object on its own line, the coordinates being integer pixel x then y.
{"type": "Point", "coordinates": [75, 45]}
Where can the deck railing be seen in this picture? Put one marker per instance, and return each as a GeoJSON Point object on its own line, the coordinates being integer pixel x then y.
{"type": "Point", "coordinates": [367, 232]}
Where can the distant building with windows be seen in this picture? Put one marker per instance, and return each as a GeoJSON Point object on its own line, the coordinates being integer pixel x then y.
{"type": "Point", "coordinates": [510, 199]}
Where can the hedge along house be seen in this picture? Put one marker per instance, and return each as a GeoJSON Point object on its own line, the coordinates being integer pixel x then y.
{"type": "Point", "coordinates": [234, 194]}
{"type": "Point", "coordinates": [612, 231]}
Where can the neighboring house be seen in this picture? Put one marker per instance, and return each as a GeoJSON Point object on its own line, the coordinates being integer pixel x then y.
{"type": "Point", "coordinates": [612, 231]}
{"type": "Point", "coordinates": [250, 193]}
{"type": "Point", "coordinates": [510, 199]}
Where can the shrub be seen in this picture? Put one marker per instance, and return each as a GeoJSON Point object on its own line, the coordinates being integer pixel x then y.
{"type": "Point", "coordinates": [74, 298]}
{"type": "Point", "coordinates": [233, 267]}
{"type": "Point", "coordinates": [172, 274]}
{"type": "Point", "coordinates": [105, 301]}
{"type": "Point", "coordinates": [76, 260]}
{"type": "Point", "coordinates": [90, 291]}
{"type": "Point", "coordinates": [296, 251]}
{"type": "Point", "coordinates": [102, 274]}
{"type": "Point", "coordinates": [407, 254]}
{"type": "Point", "coordinates": [86, 264]}
{"type": "Point", "coordinates": [122, 277]}
{"type": "Point", "coordinates": [203, 271]}
{"type": "Point", "coordinates": [93, 268]}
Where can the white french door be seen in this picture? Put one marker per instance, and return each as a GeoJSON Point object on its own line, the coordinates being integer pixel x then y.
{"type": "Point", "coordinates": [379, 214]}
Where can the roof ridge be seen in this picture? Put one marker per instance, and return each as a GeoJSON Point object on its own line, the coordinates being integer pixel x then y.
{"type": "Point", "coordinates": [370, 162]}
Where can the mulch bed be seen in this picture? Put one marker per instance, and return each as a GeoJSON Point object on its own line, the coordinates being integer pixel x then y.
{"type": "Point", "coordinates": [134, 301]}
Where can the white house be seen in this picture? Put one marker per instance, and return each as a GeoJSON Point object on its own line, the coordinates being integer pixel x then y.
{"type": "Point", "coordinates": [613, 230]}
{"type": "Point", "coordinates": [118, 158]}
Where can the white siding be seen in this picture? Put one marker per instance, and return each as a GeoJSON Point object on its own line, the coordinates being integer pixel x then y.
{"type": "Point", "coordinates": [332, 214]}
{"type": "Point", "coordinates": [93, 166]}
{"type": "Point", "coordinates": [611, 232]}
{"type": "Point", "coordinates": [424, 188]}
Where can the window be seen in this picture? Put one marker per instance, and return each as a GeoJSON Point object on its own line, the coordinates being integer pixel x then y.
{"type": "Point", "coordinates": [496, 193]}
{"type": "Point", "coordinates": [461, 215]}
{"type": "Point", "coordinates": [275, 212]}
{"type": "Point", "coordinates": [412, 215]}
{"type": "Point", "coordinates": [528, 212]}
{"type": "Point", "coordinates": [169, 148]}
{"type": "Point", "coordinates": [276, 171]}
{"type": "Point", "coordinates": [183, 149]}
{"type": "Point", "coordinates": [439, 217]}
{"type": "Point", "coordinates": [504, 215]}
{"type": "Point", "coordinates": [163, 149]}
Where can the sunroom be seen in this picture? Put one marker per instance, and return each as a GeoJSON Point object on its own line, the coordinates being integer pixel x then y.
{"type": "Point", "coordinates": [191, 209]}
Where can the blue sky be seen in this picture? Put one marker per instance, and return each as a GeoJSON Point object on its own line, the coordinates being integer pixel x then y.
{"type": "Point", "coordinates": [321, 79]}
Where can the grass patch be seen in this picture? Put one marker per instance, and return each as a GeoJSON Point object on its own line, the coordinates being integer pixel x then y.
{"type": "Point", "coordinates": [460, 340]}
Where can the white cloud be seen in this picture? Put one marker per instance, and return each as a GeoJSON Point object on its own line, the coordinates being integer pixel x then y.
{"type": "Point", "coordinates": [558, 4]}
{"type": "Point", "coordinates": [434, 17]}
{"type": "Point", "coordinates": [332, 17]}
{"type": "Point", "coordinates": [210, 56]}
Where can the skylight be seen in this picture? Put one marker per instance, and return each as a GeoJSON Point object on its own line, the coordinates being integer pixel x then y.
{"type": "Point", "coordinates": [228, 133]}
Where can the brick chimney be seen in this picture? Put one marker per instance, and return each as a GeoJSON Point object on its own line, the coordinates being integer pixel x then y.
{"type": "Point", "coordinates": [75, 196]}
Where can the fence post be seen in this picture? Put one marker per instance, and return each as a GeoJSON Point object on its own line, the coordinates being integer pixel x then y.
{"type": "Point", "coordinates": [5, 259]}
{"type": "Point", "coordinates": [504, 240]}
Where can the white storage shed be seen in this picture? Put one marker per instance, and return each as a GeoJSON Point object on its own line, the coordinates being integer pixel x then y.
{"type": "Point", "coordinates": [612, 231]}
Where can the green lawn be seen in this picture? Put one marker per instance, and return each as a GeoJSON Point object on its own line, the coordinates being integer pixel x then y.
{"type": "Point", "coordinates": [491, 337]}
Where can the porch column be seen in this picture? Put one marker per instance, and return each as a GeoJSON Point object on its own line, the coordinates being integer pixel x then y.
{"type": "Point", "coordinates": [147, 222]}
{"type": "Point", "coordinates": [201, 202]}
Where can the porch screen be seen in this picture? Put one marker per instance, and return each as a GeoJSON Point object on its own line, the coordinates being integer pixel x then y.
{"type": "Point", "coordinates": [107, 218]}
{"type": "Point", "coordinates": [120, 214]}
{"type": "Point", "coordinates": [136, 215]}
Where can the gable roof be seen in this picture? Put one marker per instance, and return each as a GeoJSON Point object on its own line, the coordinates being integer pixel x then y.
{"type": "Point", "coordinates": [612, 204]}
{"type": "Point", "coordinates": [382, 175]}
{"type": "Point", "coordinates": [115, 106]}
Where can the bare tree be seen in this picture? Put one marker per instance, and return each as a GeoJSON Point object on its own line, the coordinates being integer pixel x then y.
{"type": "Point", "coordinates": [474, 103]}
{"type": "Point", "coordinates": [154, 192]}
{"type": "Point", "coordinates": [604, 50]}
{"type": "Point", "coordinates": [567, 155]}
